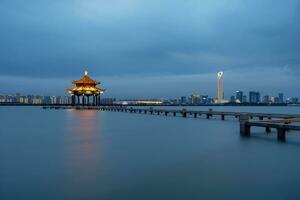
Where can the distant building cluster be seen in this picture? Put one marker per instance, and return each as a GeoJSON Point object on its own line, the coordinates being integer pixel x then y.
{"type": "Point", "coordinates": [194, 99]}
{"type": "Point", "coordinates": [39, 99]}
{"type": "Point", "coordinates": [86, 86]}
{"type": "Point", "coordinates": [34, 99]}
{"type": "Point", "coordinates": [239, 97]}
{"type": "Point", "coordinates": [255, 97]}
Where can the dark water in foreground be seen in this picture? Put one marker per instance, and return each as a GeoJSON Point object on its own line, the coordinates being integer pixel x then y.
{"type": "Point", "coordinates": [65, 154]}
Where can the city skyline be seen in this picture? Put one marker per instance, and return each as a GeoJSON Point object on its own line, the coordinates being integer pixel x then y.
{"type": "Point", "coordinates": [240, 97]}
{"type": "Point", "coordinates": [211, 89]}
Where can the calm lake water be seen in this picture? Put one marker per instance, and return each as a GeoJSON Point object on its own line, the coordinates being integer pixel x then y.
{"type": "Point", "coordinates": [70, 154]}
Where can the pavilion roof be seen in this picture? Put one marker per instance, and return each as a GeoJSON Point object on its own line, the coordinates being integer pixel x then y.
{"type": "Point", "coordinates": [86, 89]}
{"type": "Point", "coordinates": [86, 80]}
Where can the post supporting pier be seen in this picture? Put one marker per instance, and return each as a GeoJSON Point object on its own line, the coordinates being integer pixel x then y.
{"type": "Point", "coordinates": [268, 129]}
{"type": "Point", "coordinates": [184, 113]}
{"type": "Point", "coordinates": [244, 126]}
{"type": "Point", "coordinates": [261, 118]}
{"type": "Point", "coordinates": [281, 132]}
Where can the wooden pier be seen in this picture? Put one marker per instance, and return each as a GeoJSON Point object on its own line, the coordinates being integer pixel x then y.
{"type": "Point", "coordinates": [77, 107]}
{"type": "Point", "coordinates": [281, 125]}
{"type": "Point", "coordinates": [281, 122]}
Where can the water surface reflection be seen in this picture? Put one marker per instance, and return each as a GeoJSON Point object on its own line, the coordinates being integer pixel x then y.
{"type": "Point", "coordinates": [83, 155]}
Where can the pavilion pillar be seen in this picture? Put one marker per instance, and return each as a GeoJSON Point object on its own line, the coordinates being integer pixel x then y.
{"type": "Point", "coordinates": [78, 100]}
{"type": "Point", "coordinates": [83, 100]}
{"type": "Point", "coordinates": [99, 100]}
{"type": "Point", "coordinates": [88, 100]}
{"type": "Point", "coordinates": [73, 100]}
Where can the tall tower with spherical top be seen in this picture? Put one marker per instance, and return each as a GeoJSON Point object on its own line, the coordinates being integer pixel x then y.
{"type": "Point", "coordinates": [220, 98]}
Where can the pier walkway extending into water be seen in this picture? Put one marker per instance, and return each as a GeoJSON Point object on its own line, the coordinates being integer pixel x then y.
{"type": "Point", "coordinates": [280, 122]}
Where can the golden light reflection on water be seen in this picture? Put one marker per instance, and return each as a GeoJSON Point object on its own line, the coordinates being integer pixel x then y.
{"type": "Point", "coordinates": [83, 138]}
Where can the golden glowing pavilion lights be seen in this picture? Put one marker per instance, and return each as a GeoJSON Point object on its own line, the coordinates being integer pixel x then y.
{"type": "Point", "coordinates": [84, 88]}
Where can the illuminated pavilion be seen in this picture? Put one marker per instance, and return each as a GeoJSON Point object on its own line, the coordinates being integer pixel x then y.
{"type": "Point", "coordinates": [86, 91]}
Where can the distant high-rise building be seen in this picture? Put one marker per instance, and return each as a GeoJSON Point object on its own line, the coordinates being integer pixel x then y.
{"type": "Point", "coordinates": [244, 99]}
{"type": "Point", "coordinates": [204, 99]}
{"type": "Point", "coordinates": [280, 96]}
{"type": "Point", "coordinates": [220, 98]}
{"type": "Point", "coordinates": [275, 99]}
{"type": "Point", "coordinates": [30, 97]}
{"type": "Point", "coordinates": [47, 100]}
{"type": "Point", "coordinates": [183, 100]}
{"type": "Point", "coordinates": [53, 100]}
{"type": "Point", "coordinates": [232, 99]}
{"type": "Point", "coordinates": [9, 99]}
{"type": "Point", "coordinates": [64, 100]}
{"type": "Point", "coordinates": [17, 98]}
{"type": "Point", "coordinates": [37, 100]}
{"type": "Point", "coordinates": [23, 99]}
{"type": "Point", "coordinates": [175, 101]}
{"type": "Point", "coordinates": [293, 100]}
{"type": "Point", "coordinates": [254, 97]}
{"type": "Point", "coordinates": [2, 98]}
{"type": "Point", "coordinates": [195, 99]}
{"type": "Point", "coordinates": [210, 100]}
{"type": "Point", "coordinates": [266, 99]}
{"type": "Point", "coordinates": [239, 96]}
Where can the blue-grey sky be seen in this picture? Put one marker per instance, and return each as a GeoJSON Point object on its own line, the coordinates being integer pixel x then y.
{"type": "Point", "coordinates": [150, 48]}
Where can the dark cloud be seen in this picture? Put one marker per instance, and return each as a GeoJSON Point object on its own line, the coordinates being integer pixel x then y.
{"type": "Point", "coordinates": [147, 38]}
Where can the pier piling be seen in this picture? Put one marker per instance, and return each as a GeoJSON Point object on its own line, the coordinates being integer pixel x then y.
{"type": "Point", "coordinates": [223, 117]}
{"type": "Point", "coordinates": [244, 126]}
{"type": "Point", "coordinates": [268, 129]}
{"type": "Point", "coordinates": [281, 132]}
{"type": "Point", "coordinates": [183, 112]}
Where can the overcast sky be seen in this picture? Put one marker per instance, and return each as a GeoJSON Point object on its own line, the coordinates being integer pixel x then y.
{"type": "Point", "coordinates": [150, 48]}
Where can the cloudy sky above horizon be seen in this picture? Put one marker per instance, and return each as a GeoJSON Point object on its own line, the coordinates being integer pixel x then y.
{"type": "Point", "coordinates": [150, 48]}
